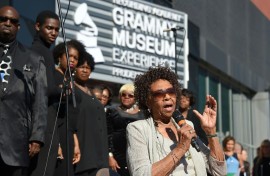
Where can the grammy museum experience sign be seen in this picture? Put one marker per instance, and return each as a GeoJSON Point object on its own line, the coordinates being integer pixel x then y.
{"type": "Point", "coordinates": [126, 37]}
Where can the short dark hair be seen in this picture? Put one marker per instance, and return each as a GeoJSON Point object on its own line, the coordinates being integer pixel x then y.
{"type": "Point", "coordinates": [103, 87]}
{"type": "Point", "coordinates": [88, 58]}
{"type": "Point", "coordinates": [143, 82]}
{"type": "Point", "coordinates": [189, 94]}
{"type": "Point", "coordinates": [60, 49]}
{"type": "Point", "coordinates": [96, 88]}
{"type": "Point", "coordinates": [42, 16]}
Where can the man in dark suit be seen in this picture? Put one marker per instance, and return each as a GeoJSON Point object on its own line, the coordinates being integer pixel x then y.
{"type": "Point", "coordinates": [23, 99]}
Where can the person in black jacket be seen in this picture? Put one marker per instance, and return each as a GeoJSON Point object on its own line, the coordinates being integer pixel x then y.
{"type": "Point", "coordinates": [262, 165]}
{"type": "Point", "coordinates": [23, 99]}
{"type": "Point", "coordinates": [91, 123]}
{"type": "Point", "coordinates": [246, 170]}
{"type": "Point", "coordinates": [47, 29]}
{"type": "Point", "coordinates": [187, 101]}
{"type": "Point", "coordinates": [69, 152]}
{"type": "Point", "coordinates": [118, 117]}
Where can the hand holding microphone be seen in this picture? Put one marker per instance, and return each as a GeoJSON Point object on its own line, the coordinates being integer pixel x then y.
{"type": "Point", "coordinates": [186, 131]}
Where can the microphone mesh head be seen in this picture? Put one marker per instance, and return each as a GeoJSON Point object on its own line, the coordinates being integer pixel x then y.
{"type": "Point", "coordinates": [178, 117]}
{"type": "Point", "coordinates": [176, 113]}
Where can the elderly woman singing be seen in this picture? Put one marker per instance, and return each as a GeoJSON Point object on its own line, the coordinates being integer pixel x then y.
{"type": "Point", "coordinates": [158, 145]}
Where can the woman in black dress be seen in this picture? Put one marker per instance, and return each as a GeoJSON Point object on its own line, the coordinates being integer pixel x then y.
{"type": "Point", "coordinates": [75, 49]}
{"type": "Point", "coordinates": [117, 120]}
{"type": "Point", "coordinates": [91, 123]}
{"type": "Point", "coordinates": [187, 102]}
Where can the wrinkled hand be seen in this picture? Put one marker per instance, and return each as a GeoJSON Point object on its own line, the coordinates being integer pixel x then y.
{"type": "Point", "coordinates": [209, 117]}
{"type": "Point", "coordinates": [34, 149]}
{"type": "Point", "coordinates": [186, 133]}
{"type": "Point", "coordinates": [113, 163]}
{"type": "Point", "coordinates": [77, 155]}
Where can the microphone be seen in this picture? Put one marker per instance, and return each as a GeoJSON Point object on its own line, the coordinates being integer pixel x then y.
{"type": "Point", "coordinates": [173, 29]}
{"type": "Point", "coordinates": [179, 119]}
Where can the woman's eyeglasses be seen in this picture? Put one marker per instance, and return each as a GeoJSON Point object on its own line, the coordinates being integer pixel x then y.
{"type": "Point", "coordinates": [12, 20]}
{"type": "Point", "coordinates": [105, 96]}
{"type": "Point", "coordinates": [125, 95]}
{"type": "Point", "coordinates": [160, 94]}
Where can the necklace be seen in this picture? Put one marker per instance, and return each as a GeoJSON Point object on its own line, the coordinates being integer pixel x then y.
{"type": "Point", "coordinates": [167, 130]}
{"type": "Point", "coordinates": [161, 149]}
{"type": "Point", "coordinates": [160, 123]}
{"type": "Point", "coordinates": [160, 141]}
{"type": "Point", "coordinates": [131, 109]}
{"type": "Point", "coordinates": [161, 146]}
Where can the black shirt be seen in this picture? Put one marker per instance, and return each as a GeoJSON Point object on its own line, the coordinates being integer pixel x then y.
{"type": "Point", "coordinates": [43, 49]}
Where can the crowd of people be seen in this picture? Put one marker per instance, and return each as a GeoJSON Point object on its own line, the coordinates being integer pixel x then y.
{"type": "Point", "coordinates": [237, 158]}
{"type": "Point", "coordinates": [54, 124]}
{"type": "Point", "coordinates": [42, 132]}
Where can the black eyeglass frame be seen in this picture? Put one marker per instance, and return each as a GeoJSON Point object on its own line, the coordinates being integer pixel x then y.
{"type": "Point", "coordinates": [160, 94]}
{"type": "Point", "coordinates": [14, 21]}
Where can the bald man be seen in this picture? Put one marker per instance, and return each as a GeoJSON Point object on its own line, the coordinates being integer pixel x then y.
{"type": "Point", "coordinates": [23, 99]}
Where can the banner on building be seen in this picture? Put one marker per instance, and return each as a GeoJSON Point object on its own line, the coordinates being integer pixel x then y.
{"type": "Point", "coordinates": [126, 37]}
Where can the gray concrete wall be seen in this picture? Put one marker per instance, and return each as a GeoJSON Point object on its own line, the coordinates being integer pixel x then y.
{"type": "Point", "coordinates": [233, 36]}
{"type": "Point", "coordinates": [260, 118]}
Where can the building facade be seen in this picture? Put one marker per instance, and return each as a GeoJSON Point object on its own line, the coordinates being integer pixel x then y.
{"type": "Point", "coordinates": [228, 57]}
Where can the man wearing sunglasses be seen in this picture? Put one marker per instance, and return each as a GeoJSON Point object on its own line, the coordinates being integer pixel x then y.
{"type": "Point", "coordinates": [23, 99]}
